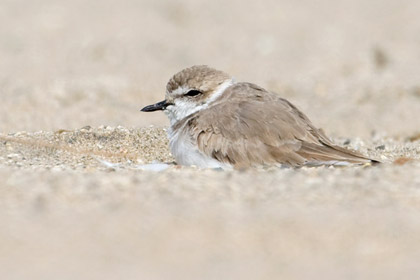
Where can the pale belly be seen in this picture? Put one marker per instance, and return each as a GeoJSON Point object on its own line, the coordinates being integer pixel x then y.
{"type": "Point", "coordinates": [187, 153]}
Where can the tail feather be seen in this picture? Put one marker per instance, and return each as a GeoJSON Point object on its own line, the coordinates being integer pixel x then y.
{"type": "Point", "coordinates": [331, 155]}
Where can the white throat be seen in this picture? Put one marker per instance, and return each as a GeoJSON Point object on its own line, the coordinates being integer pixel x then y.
{"type": "Point", "coordinates": [183, 108]}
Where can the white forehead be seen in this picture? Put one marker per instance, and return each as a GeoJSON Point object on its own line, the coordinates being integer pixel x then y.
{"type": "Point", "coordinates": [179, 91]}
{"type": "Point", "coordinates": [182, 107]}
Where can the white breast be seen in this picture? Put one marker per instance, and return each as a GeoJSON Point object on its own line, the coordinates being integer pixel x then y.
{"type": "Point", "coordinates": [186, 152]}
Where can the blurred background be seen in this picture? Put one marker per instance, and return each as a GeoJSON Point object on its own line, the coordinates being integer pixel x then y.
{"type": "Point", "coordinates": [74, 204]}
{"type": "Point", "coordinates": [352, 66]}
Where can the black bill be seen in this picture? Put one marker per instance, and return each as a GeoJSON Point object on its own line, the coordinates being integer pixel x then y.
{"type": "Point", "coordinates": [156, 107]}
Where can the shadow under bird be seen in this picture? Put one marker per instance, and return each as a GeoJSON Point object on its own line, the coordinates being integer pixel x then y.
{"type": "Point", "coordinates": [217, 122]}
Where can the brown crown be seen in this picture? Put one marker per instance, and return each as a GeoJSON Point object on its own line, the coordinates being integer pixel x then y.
{"type": "Point", "coordinates": [200, 77]}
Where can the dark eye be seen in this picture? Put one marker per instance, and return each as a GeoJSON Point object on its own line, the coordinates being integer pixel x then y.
{"type": "Point", "coordinates": [193, 92]}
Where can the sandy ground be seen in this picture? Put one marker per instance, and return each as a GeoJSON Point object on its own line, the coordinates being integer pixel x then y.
{"type": "Point", "coordinates": [77, 200]}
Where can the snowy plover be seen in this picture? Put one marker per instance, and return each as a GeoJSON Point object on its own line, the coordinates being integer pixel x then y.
{"type": "Point", "coordinates": [217, 122]}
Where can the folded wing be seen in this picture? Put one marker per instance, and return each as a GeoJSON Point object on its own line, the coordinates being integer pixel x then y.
{"type": "Point", "coordinates": [256, 127]}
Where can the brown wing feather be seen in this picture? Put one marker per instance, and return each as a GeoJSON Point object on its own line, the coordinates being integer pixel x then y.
{"type": "Point", "coordinates": [257, 127]}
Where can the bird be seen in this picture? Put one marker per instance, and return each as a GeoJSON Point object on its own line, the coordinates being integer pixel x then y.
{"type": "Point", "coordinates": [217, 122]}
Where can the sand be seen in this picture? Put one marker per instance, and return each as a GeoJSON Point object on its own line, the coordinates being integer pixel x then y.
{"type": "Point", "coordinates": [84, 194]}
{"type": "Point", "coordinates": [78, 204]}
